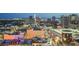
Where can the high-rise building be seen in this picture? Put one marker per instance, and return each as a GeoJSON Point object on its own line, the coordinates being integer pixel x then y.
{"type": "Point", "coordinates": [71, 21]}
{"type": "Point", "coordinates": [35, 18]}
{"type": "Point", "coordinates": [38, 19]}
{"type": "Point", "coordinates": [74, 21]}
{"type": "Point", "coordinates": [65, 21]}
{"type": "Point", "coordinates": [53, 19]}
{"type": "Point", "coordinates": [30, 20]}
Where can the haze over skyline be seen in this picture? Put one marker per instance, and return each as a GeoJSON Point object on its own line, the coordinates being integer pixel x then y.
{"type": "Point", "coordinates": [26, 15]}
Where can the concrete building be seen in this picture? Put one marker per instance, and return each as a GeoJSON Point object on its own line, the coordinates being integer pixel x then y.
{"type": "Point", "coordinates": [71, 21]}
{"type": "Point", "coordinates": [65, 21]}
{"type": "Point", "coordinates": [74, 21]}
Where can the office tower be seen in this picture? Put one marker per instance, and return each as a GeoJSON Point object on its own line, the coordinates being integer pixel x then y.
{"type": "Point", "coordinates": [65, 21]}
{"type": "Point", "coordinates": [74, 21]}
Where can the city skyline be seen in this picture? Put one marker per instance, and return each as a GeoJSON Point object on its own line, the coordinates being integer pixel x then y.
{"type": "Point", "coordinates": [26, 15]}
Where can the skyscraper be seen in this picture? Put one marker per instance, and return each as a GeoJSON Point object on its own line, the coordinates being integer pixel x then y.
{"type": "Point", "coordinates": [65, 21]}
{"type": "Point", "coordinates": [74, 21]}
{"type": "Point", "coordinates": [70, 21]}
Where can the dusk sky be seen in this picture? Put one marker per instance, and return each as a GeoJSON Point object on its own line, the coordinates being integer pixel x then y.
{"type": "Point", "coordinates": [26, 15]}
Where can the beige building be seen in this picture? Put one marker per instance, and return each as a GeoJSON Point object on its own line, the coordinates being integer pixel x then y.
{"type": "Point", "coordinates": [71, 21]}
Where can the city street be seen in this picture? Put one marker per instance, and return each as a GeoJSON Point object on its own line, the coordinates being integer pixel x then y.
{"type": "Point", "coordinates": [36, 30]}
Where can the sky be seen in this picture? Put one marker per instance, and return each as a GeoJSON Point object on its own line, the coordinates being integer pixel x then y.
{"type": "Point", "coordinates": [26, 15]}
